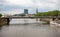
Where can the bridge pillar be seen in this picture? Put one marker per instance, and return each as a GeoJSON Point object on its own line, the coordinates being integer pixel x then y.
{"type": "Point", "coordinates": [53, 19]}
{"type": "Point", "coordinates": [59, 18]}
{"type": "Point", "coordinates": [8, 21]}
{"type": "Point", "coordinates": [37, 19]}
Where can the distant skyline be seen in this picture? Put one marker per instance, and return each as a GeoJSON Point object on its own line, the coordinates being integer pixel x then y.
{"type": "Point", "coordinates": [18, 6]}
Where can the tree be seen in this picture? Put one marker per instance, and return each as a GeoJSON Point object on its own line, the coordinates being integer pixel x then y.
{"type": "Point", "coordinates": [0, 15]}
{"type": "Point", "coordinates": [49, 13]}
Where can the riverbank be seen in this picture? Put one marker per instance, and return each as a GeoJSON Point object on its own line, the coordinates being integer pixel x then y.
{"type": "Point", "coordinates": [3, 22]}
{"type": "Point", "coordinates": [49, 19]}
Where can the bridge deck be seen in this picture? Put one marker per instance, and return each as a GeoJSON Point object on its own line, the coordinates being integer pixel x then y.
{"type": "Point", "coordinates": [34, 17]}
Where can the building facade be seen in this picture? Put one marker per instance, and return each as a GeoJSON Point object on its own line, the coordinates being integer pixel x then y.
{"type": "Point", "coordinates": [25, 11]}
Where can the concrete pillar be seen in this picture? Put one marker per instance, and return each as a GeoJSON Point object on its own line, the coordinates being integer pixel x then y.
{"type": "Point", "coordinates": [58, 18]}
{"type": "Point", "coordinates": [37, 19]}
{"type": "Point", "coordinates": [53, 19]}
{"type": "Point", "coordinates": [8, 21]}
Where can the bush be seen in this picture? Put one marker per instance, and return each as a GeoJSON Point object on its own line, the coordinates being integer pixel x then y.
{"type": "Point", "coordinates": [0, 15]}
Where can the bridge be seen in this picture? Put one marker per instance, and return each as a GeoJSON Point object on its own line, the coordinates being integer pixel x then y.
{"type": "Point", "coordinates": [14, 17]}
{"type": "Point", "coordinates": [32, 17]}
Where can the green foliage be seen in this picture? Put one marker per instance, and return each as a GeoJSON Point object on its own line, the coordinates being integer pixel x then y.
{"type": "Point", "coordinates": [22, 14]}
{"type": "Point", "coordinates": [0, 15]}
{"type": "Point", "coordinates": [49, 13]}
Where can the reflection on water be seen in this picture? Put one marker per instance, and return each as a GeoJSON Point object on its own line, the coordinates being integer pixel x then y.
{"type": "Point", "coordinates": [27, 28]}
{"type": "Point", "coordinates": [23, 21]}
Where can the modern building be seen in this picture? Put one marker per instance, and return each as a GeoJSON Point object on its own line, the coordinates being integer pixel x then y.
{"type": "Point", "coordinates": [36, 10]}
{"type": "Point", "coordinates": [25, 11]}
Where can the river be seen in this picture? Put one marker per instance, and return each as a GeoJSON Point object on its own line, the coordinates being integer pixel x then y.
{"type": "Point", "coordinates": [27, 28]}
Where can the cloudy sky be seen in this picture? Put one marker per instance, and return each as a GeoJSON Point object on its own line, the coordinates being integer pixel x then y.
{"type": "Point", "coordinates": [18, 6]}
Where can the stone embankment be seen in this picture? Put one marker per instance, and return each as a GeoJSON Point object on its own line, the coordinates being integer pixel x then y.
{"type": "Point", "coordinates": [47, 20]}
{"type": "Point", "coordinates": [3, 22]}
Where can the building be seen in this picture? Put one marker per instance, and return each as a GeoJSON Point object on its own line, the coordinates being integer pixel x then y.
{"type": "Point", "coordinates": [36, 10]}
{"type": "Point", "coordinates": [25, 11]}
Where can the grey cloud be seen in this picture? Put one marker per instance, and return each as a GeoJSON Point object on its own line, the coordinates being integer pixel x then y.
{"type": "Point", "coordinates": [5, 7]}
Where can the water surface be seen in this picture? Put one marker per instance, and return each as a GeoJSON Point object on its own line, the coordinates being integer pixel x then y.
{"type": "Point", "coordinates": [27, 28]}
